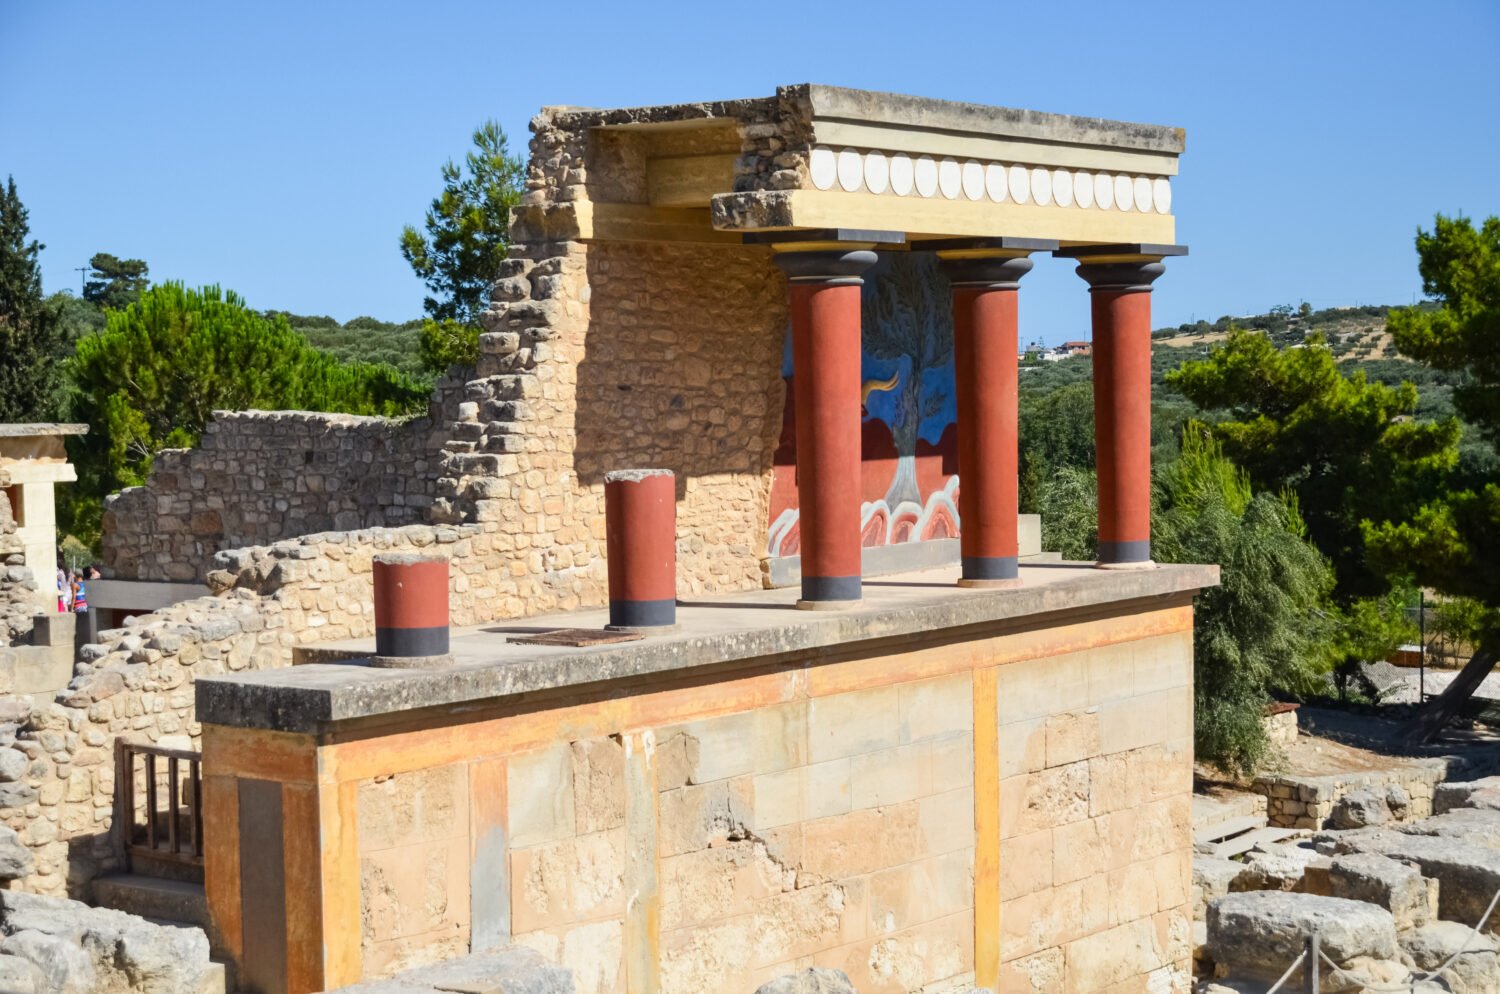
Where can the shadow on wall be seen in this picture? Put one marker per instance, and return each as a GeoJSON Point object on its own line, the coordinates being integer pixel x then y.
{"type": "Point", "coordinates": [681, 370]}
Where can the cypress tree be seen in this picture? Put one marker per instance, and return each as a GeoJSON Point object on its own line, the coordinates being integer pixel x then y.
{"type": "Point", "coordinates": [29, 329]}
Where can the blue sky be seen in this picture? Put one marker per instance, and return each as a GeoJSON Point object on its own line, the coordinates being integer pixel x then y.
{"type": "Point", "coordinates": [277, 148]}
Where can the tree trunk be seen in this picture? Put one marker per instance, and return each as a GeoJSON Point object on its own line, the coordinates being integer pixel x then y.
{"type": "Point", "coordinates": [1435, 715]}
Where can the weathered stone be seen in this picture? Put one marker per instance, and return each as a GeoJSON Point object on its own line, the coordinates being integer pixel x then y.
{"type": "Point", "coordinates": [101, 951]}
{"type": "Point", "coordinates": [20, 976]}
{"type": "Point", "coordinates": [16, 861]}
{"type": "Point", "coordinates": [1468, 875]}
{"type": "Point", "coordinates": [1274, 867]}
{"type": "Point", "coordinates": [1394, 886]}
{"type": "Point", "coordinates": [1360, 808]}
{"type": "Point", "coordinates": [813, 980]}
{"type": "Point", "coordinates": [510, 971]}
{"type": "Point", "coordinates": [16, 795]}
{"type": "Point", "coordinates": [1476, 969]}
{"type": "Point", "coordinates": [13, 765]}
{"type": "Point", "coordinates": [1259, 932]}
{"type": "Point", "coordinates": [1484, 793]}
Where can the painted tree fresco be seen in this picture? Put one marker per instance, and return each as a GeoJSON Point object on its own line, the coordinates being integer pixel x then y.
{"type": "Point", "coordinates": [909, 469]}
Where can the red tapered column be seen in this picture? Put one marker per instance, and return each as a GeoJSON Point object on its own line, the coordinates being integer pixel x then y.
{"type": "Point", "coordinates": [640, 525]}
{"type": "Point", "coordinates": [824, 295]}
{"type": "Point", "coordinates": [985, 340]}
{"type": "Point", "coordinates": [1120, 293]}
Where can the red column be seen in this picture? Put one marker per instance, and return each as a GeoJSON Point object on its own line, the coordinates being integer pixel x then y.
{"type": "Point", "coordinates": [824, 295]}
{"type": "Point", "coordinates": [411, 610]}
{"type": "Point", "coordinates": [985, 342]}
{"type": "Point", "coordinates": [1121, 304]}
{"type": "Point", "coordinates": [640, 526]}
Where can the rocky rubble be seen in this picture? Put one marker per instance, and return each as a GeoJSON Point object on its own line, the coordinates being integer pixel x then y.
{"type": "Point", "coordinates": [1392, 900]}
{"type": "Point", "coordinates": [55, 946]}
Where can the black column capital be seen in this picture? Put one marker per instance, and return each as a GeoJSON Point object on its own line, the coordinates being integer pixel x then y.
{"type": "Point", "coordinates": [836, 267]}
{"type": "Point", "coordinates": [1120, 277]}
{"type": "Point", "coordinates": [992, 272]}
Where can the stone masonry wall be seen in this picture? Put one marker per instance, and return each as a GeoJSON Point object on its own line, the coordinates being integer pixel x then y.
{"type": "Point", "coordinates": [17, 584]}
{"type": "Point", "coordinates": [56, 761]}
{"type": "Point", "coordinates": [712, 835]}
{"type": "Point", "coordinates": [261, 476]}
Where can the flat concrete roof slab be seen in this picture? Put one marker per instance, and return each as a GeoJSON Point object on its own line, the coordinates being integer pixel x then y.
{"type": "Point", "coordinates": [712, 631]}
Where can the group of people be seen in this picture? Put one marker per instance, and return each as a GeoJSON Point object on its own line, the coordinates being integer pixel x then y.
{"type": "Point", "coordinates": [72, 588]}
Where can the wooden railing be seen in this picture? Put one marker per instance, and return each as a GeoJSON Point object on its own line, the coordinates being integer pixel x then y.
{"type": "Point", "coordinates": [145, 776]}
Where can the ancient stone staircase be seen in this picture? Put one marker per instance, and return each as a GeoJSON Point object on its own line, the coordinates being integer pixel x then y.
{"type": "Point", "coordinates": [1229, 826]}
{"type": "Point", "coordinates": [174, 903]}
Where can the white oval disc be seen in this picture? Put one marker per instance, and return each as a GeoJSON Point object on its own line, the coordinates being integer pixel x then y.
{"type": "Point", "coordinates": [973, 180]}
{"type": "Point", "coordinates": [994, 182]}
{"type": "Point", "coordinates": [1161, 194]}
{"type": "Point", "coordinates": [1104, 191]}
{"type": "Point", "coordinates": [1083, 190]}
{"type": "Point", "coordinates": [1123, 193]}
{"type": "Point", "coordinates": [901, 175]}
{"type": "Point", "coordinates": [823, 167]}
{"type": "Point", "coordinates": [1041, 186]}
{"type": "Point", "coordinates": [851, 170]}
{"type": "Point", "coordinates": [1019, 183]}
{"type": "Point", "coordinates": [1062, 187]}
{"type": "Point", "coordinates": [877, 172]}
{"type": "Point", "coordinates": [927, 176]}
{"type": "Point", "coordinates": [1142, 193]}
{"type": "Point", "coordinates": [950, 178]}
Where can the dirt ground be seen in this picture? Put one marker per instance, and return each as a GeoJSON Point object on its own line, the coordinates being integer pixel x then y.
{"type": "Point", "coordinates": [1337, 741]}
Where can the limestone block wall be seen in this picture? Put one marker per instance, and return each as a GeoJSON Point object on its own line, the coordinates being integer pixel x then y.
{"type": "Point", "coordinates": [261, 476]}
{"type": "Point", "coordinates": [1009, 809]}
{"type": "Point", "coordinates": [1308, 801]}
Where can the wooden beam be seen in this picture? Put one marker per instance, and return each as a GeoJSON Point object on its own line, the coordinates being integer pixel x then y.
{"type": "Point", "coordinates": [689, 180]}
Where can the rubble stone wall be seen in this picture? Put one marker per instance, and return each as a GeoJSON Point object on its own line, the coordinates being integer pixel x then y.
{"type": "Point", "coordinates": [17, 583]}
{"type": "Point", "coordinates": [257, 477]}
{"type": "Point", "coordinates": [57, 761]}
{"type": "Point", "coordinates": [1308, 801]}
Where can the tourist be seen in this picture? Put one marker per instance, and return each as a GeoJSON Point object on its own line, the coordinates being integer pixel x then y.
{"type": "Point", "coordinates": [80, 594]}
{"type": "Point", "coordinates": [64, 589]}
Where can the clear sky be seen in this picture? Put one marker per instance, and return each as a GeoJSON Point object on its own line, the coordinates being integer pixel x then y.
{"type": "Point", "coordinates": [277, 148]}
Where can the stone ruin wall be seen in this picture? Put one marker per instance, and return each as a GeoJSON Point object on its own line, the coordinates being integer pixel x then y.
{"type": "Point", "coordinates": [18, 588]}
{"type": "Point", "coordinates": [660, 355]}
{"type": "Point", "coordinates": [260, 476]}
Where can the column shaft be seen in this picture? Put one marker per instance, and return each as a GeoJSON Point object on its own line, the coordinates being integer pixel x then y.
{"type": "Point", "coordinates": [1121, 304]}
{"type": "Point", "coordinates": [825, 311]}
{"type": "Point", "coordinates": [985, 340]}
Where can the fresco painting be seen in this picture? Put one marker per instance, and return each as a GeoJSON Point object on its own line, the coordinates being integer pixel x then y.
{"type": "Point", "coordinates": [909, 470]}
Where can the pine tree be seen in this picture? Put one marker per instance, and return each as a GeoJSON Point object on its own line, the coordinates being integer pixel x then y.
{"type": "Point", "coordinates": [29, 331]}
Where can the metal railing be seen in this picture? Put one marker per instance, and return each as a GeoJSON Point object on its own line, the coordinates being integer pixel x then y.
{"type": "Point", "coordinates": [145, 777]}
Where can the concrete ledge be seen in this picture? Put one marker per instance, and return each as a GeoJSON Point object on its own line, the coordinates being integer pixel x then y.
{"type": "Point", "coordinates": [755, 624]}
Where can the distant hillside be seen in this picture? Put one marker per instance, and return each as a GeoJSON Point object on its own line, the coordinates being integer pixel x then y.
{"type": "Point", "coordinates": [363, 339]}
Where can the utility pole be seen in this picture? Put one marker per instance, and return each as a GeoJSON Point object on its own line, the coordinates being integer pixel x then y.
{"type": "Point", "coordinates": [82, 272]}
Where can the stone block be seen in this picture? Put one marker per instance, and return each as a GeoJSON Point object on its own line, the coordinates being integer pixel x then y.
{"type": "Point", "coordinates": [891, 776]}
{"type": "Point", "coordinates": [946, 821]}
{"type": "Point", "coordinates": [1037, 688]}
{"type": "Point", "coordinates": [1055, 797]}
{"type": "Point", "coordinates": [1072, 737]}
{"type": "Point", "coordinates": [1475, 967]}
{"type": "Point", "coordinates": [695, 817]}
{"type": "Point", "coordinates": [598, 784]}
{"type": "Point", "coordinates": [413, 808]}
{"type": "Point", "coordinates": [1116, 955]}
{"type": "Point", "coordinates": [1023, 747]}
{"type": "Point", "coordinates": [1259, 932]}
{"type": "Point", "coordinates": [540, 796]}
{"type": "Point", "coordinates": [937, 708]}
{"type": "Point", "coordinates": [1396, 887]}
{"type": "Point", "coordinates": [717, 884]}
{"type": "Point", "coordinates": [414, 890]}
{"type": "Point", "coordinates": [841, 725]}
{"type": "Point", "coordinates": [1026, 864]}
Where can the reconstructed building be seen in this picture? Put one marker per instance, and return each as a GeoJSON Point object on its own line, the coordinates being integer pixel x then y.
{"type": "Point", "coordinates": [959, 764]}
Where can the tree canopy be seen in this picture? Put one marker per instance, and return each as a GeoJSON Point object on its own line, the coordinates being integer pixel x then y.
{"type": "Point", "coordinates": [1453, 541]}
{"type": "Point", "coordinates": [152, 378]}
{"type": "Point", "coordinates": [114, 284]}
{"type": "Point", "coordinates": [1348, 448]}
{"type": "Point", "coordinates": [29, 331]}
{"type": "Point", "coordinates": [466, 239]}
